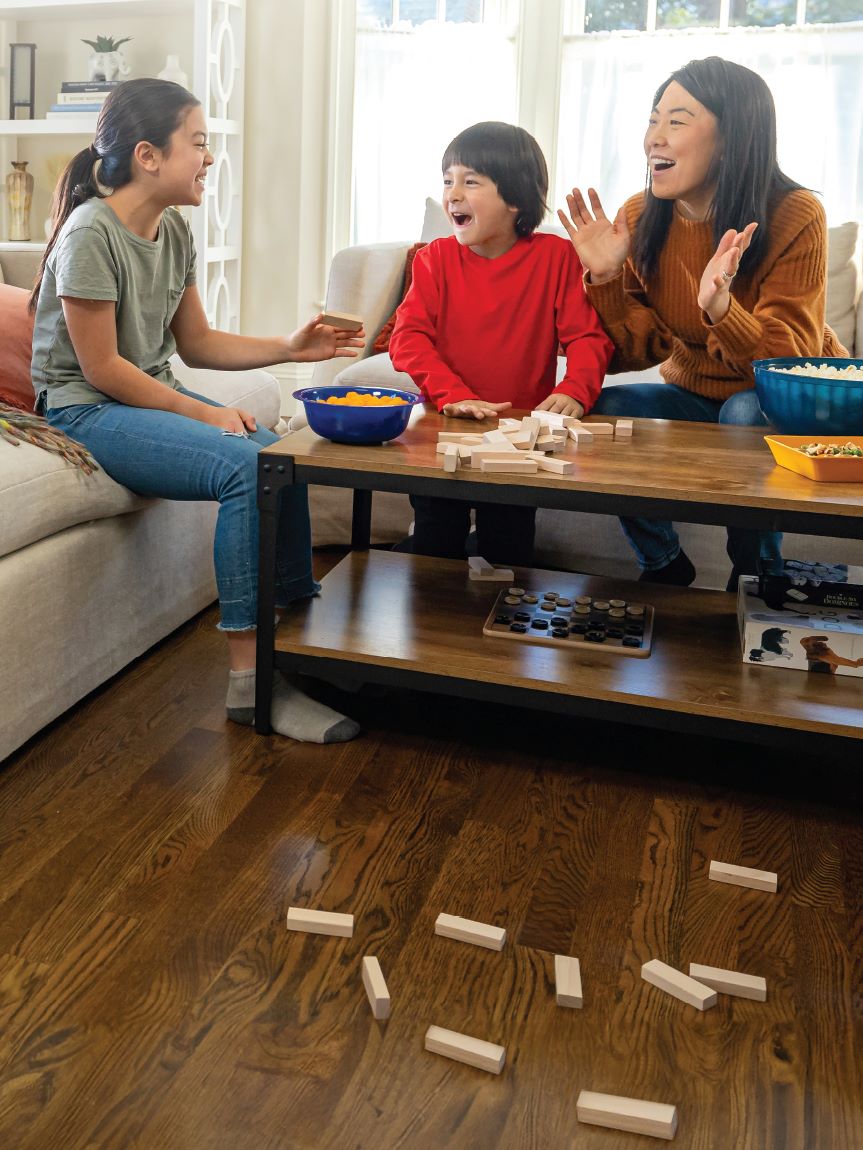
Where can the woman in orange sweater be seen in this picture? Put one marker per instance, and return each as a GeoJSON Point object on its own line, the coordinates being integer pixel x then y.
{"type": "Point", "coordinates": [720, 261]}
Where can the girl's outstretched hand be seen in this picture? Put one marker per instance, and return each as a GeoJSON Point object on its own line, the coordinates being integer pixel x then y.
{"type": "Point", "coordinates": [315, 341]}
{"type": "Point", "coordinates": [602, 244]}
{"type": "Point", "coordinates": [715, 287]}
{"type": "Point", "coordinates": [474, 409]}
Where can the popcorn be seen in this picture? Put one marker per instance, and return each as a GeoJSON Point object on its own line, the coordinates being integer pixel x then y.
{"type": "Point", "coordinates": [824, 371]}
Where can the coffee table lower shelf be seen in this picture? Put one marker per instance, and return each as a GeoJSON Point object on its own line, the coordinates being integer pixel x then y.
{"type": "Point", "coordinates": [415, 622]}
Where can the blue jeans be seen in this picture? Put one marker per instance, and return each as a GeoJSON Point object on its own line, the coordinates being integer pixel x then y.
{"type": "Point", "coordinates": [655, 542]}
{"type": "Point", "coordinates": [167, 456]}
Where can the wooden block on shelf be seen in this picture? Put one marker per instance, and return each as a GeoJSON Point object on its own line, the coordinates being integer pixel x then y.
{"type": "Point", "coordinates": [504, 467]}
{"type": "Point", "coordinates": [320, 922]}
{"type": "Point", "coordinates": [376, 987]}
{"type": "Point", "coordinates": [466, 930]}
{"type": "Point", "coordinates": [744, 876]}
{"type": "Point", "coordinates": [342, 320]}
{"type": "Point", "coordinates": [567, 981]}
{"type": "Point", "coordinates": [730, 981]}
{"type": "Point", "coordinates": [636, 1115]}
{"type": "Point", "coordinates": [557, 466]}
{"type": "Point", "coordinates": [678, 984]}
{"type": "Point", "coordinates": [462, 1048]}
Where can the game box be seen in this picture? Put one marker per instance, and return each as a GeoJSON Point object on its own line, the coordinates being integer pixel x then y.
{"type": "Point", "coordinates": [785, 622]}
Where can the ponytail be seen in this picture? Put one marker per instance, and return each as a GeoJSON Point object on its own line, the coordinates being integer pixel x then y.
{"type": "Point", "coordinates": [135, 110]}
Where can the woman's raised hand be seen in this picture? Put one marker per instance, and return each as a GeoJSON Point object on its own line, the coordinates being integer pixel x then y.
{"type": "Point", "coordinates": [714, 290]}
{"type": "Point", "coordinates": [602, 244]}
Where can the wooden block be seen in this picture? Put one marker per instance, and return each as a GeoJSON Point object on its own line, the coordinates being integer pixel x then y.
{"type": "Point", "coordinates": [455, 437]}
{"type": "Point", "coordinates": [498, 439]}
{"type": "Point", "coordinates": [558, 466]}
{"type": "Point", "coordinates": [320, 922]}
{"type": "Point", "coordinates": [744, 876]}
{"type": "Point", "coordinates": [461, 1047]}
{"type": "Point", "coordinates": [567, 981]}
{"type": "Point", "coordinates": [531, 428]}
{"type": "Point", "coordinates": [478, 454]}
{"type": "Point", "coordinates": [522, 441]}
{"type": "Point", "coordinates": [466, 930]}
{"type": "Point", "coordinates": [342, 320]}
{"type": "Point", "coordinates": [730, 981]}
{"type": "Point", "coordinates": [516, 467]}
{"type": "Point", "coordinates": [477, 563]}
{"type": "Point", "coordinates": [633, 1114]}
{"type": "Point", "coordinates": [545, 442]}
{"type": "Point", "coordinates": [464, 450]}
{"type": "Point", "coordinates": [623, 429]}
{"type": "Point", "coordinates": [496, 575]}
{"type": "Point", "coordinates": [376, 987]}
{"type": "Point", "coordinates": [450, 457]}
{"type": "Point", "coordinates": [600, 428]}
{"type": "Point", "coordinates": [553, 418]}
{"type": "Point", "coordinates": [506, 425]}
{"type": "Point", "coordinates": [580, 435]}
{"type": "Point", "coordinates": [680, 985]}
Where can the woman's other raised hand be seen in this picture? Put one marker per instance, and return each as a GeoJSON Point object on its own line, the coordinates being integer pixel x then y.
{"type": "Point", "coordinates": [602, 244]}
{"type": "Point", "coordinates": [714, 291]}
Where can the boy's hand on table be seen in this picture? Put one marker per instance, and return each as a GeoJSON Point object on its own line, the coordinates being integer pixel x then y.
{"type": "Point", "coordinates": [562, 405]}
{"type": "Point", "coordinates": [474, 409]}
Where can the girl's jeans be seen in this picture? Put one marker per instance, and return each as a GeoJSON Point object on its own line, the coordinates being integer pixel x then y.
{"type": "Point", "coordinates": [168, 456]}
{"type": "Point", "coordinates": [655, 542]}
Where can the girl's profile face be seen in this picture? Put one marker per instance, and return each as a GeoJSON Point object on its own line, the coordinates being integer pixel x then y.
{"type": "Point", "coordinates": [682, 144]}
{"type": "Point", "coordinates": [183, 170]}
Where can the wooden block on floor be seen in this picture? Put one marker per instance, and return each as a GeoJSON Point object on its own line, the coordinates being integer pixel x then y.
{"type": "Point", "coordinates": [466, 930]}
{"type": "Point", "coordinates": [450, 457]}
{"type": "Point", "coordinates": [567, 981]}
{"type": "Point", "coordinates": [744, 876]}
{"type": "Point", "coordinates": [504, 467]}
{"type": "Point", "coordinates": [376, 987]}
{"type": "Point", "coordinates": [557, 466]}
{"type": "Point", "coordinates": [730, 981]}
{"type": "Point", "coordinates": [461, 1047]}
{"type": "Point", "coordinates": [342, 320]}
{"type": "Point", "coordinates": [320, 922]}
{"type": "Point", "coordinates": [623, 429]}
{"type": "Point", "coordinates": [657, 1119]}
{"type": "Point", "coordinates": [678, 984]}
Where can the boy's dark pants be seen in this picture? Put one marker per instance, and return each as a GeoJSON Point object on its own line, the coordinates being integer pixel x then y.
{"type": "Point", "coordinates": [503, 534]}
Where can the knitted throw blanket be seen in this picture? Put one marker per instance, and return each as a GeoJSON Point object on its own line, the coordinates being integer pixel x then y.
{"type": "Point", "coordinates": [18, 427]}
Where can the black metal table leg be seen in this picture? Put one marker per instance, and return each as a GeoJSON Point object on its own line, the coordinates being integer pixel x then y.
{"type": "Point", "coordinates": [361, 523]}
{"type": "Point", "coordinates": [272, 477]}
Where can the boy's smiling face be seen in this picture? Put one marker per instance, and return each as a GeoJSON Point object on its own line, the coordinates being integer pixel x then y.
{"type": "Point", "coordinates": [480, 218]}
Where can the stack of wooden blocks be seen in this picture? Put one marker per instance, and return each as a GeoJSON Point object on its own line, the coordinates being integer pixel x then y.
{"type": "Point", "coordinates": [525, 446]}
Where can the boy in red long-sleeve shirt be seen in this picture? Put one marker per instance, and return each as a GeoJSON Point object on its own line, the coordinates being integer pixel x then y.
{"type": "Point", "coordinates": [480, 328]}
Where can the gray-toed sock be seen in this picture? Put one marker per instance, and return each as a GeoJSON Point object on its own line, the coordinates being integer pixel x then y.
{"type": "Point", "coordinates": [293, 714]}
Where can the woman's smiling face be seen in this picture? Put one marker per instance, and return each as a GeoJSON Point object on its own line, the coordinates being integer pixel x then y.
{"type": "Point", "coordinates": [682, 148]}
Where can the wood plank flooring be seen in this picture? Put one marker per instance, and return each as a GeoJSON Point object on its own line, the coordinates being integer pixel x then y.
{"type": "Point", "coordinates": [152, 999]}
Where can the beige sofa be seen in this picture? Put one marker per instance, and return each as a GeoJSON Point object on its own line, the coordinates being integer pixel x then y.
{"type": "Point", "coordinates": [367, 281]}
{"type": "Point", "coordinates": [91, 575]}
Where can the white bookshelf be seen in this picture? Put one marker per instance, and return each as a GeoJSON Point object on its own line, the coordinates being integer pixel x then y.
{"type": "Point", "coordinates": [209, 37]}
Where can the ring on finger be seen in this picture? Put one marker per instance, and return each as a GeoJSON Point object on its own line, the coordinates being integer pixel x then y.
{"type": "Point", "coordinates": [727, 276]}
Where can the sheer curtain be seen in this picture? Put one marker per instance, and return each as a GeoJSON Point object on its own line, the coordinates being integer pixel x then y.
{"type": "Point", "coordinates": [814, 73]}
{"type": "Point", "coordinates": [414, 91]}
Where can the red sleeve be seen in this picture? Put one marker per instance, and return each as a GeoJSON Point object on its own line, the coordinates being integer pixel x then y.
{"type": "Point", "coordinates": [413, 344]}
{"type": "Point", "coordinates": [587, 348]}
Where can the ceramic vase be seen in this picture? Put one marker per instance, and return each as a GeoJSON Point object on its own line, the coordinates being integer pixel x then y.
{"type": "Point", "coordinates": [173, 71]}
{"type": "Point", "coordinates": [19, 196]}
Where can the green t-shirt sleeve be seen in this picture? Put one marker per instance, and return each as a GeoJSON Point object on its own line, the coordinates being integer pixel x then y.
{"type": "Point", "coordinates": [84, 267]}
{"type": "Point", "coordinates": [192, 268]}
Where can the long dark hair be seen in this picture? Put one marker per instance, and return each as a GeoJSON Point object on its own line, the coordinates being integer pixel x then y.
{"type": "Point", "coordinates": [749, 180]}
{"type": "Point", "coordinates": [510, 157]}
{"type": "Point", "coordinates": [136, 110]}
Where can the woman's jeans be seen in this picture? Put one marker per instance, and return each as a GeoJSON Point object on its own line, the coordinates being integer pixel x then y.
{"type": "Point", "coordinates": [163, 455]}
{"type": "Point", "coordinates": [655, 542]}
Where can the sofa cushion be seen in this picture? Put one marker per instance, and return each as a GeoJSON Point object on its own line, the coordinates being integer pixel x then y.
{"type": "Point", "coordinates": [842, 282]}
{"type": "Point", "coordinates": [376, 371]}
{"type": "Point", "coordinates": [16, 346]}
{"type": "Point", "coordinates": [382, 340]}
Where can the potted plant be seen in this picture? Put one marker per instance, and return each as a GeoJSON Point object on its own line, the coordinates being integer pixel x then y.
{"type": "Point", "coordinates": [106, 61]}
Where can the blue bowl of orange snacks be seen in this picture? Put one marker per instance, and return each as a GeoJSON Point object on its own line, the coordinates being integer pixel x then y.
{"type": "Point", "coordinates": [358, 414]}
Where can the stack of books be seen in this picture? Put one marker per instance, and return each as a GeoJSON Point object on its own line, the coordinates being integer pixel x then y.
{"type": "Point", "coordinates": [81, 98]}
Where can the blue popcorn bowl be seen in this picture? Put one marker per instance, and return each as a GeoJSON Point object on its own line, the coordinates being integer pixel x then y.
{"type": "Point", "coordinates": [344, 423]}
{"type": "Point", "coordinates": [810, 404]}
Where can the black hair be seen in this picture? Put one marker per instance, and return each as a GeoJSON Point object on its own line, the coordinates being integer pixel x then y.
{"type": "Point", "coordinates": [510, 157]}
{"type": "Point", "coordinates": [749, 179]}
{"type": "Point", "coordinates": [135, 110]}
{"type": "Point", "coordinates": [771, 640]}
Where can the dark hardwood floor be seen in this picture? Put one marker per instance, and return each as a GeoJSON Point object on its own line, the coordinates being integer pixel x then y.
{"type": "Point", "coordinates": [152, 999]}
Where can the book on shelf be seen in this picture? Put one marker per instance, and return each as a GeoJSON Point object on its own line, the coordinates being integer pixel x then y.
{"type": "Point", "coordinates": [82, 97]}
{"type": "Point", "coordinates": [68, 112]}
{"type": "Point", "coordinates": [89, 85]}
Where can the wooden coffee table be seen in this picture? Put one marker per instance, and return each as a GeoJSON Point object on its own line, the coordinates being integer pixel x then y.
{"type": "Point", "coordinates": [413, 621]}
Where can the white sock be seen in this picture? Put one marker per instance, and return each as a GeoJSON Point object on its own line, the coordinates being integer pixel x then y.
{"type": "Point", "coordinates": [292, 714]}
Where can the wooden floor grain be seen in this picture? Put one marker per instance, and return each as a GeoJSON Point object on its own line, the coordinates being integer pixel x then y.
{"type": "Point", "coordinates": [152, 999]}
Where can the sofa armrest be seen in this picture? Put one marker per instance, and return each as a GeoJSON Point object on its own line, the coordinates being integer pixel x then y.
{"type": "Point", "coordinates": [367, 281]}
{"type": "Point", "coordinates": [255, 389]}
